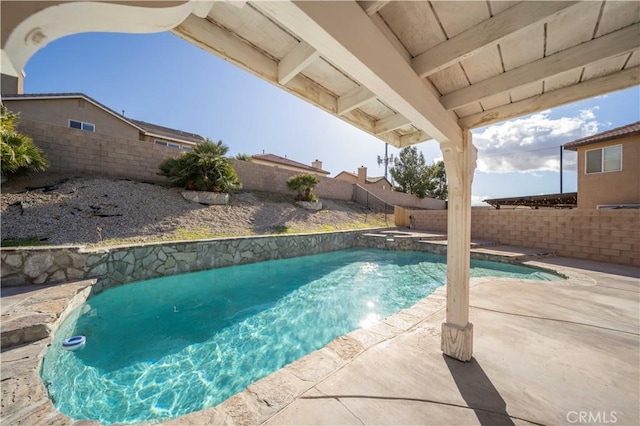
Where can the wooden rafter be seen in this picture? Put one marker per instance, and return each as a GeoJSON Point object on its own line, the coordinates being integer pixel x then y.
{"type": "Point", "coordinates": [345, 35]}
{"type": "Point", "coordinates": [390, 123]}
{"type": "Point", "coordinates": [354, 99]}
{"type": "Point", "coordinates": [296, 61]}
{"type": "Point", "coordinates": [486, 34]}
{"type": "Point", "coordinates": [372, 7]}
{"type": "Point", "coordinates": [598, 86]}
{"type": "Point", "coordinates": [611, 45]}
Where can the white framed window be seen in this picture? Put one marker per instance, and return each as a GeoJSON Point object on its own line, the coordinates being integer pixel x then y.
{"type": "Point", "coordinates": [167, 144]}
{"type": "Point", "coordinates": [82, 125]}
{"type": "Point", "coordinates": [607, 159]}
{"type": "Point", "coordinates": [187, 148]}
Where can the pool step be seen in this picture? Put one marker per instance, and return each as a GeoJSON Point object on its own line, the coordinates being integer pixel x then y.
{"type": "Point", "coordinates": [34, 317]}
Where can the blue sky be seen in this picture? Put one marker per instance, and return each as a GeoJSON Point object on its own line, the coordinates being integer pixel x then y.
{"type": "Point", "coordinates": [165, 80]}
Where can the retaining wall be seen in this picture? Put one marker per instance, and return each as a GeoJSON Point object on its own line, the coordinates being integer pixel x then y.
{"type": "Point", "coordinates": [72, 150]}
{"type": "Point", "coordinates": [601, 235]}
{"type": "Point", "coordinates": [117, 265]}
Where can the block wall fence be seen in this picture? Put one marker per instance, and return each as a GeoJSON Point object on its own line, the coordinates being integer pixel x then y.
{"type": "Point", "coordinates": [72, 150]}
{"type": "Point", "coordinates": [601, 235]}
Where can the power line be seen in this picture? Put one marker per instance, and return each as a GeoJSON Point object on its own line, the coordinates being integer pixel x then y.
{"type": "Point", "coordinates": [517, 152]}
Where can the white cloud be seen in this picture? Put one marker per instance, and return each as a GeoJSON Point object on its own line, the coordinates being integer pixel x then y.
{"type": "Point", "coordinates": [531, 144]}
{"type": "Point", "coordinates": [476, 200]}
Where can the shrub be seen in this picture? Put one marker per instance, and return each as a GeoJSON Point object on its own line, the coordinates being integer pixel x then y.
{"type": "Point", "coordinates": [18, 151]}
{"type": "Point", "coordinates": [304, 184]}
{"type": "Point", "coordinates": [244, 157]}
{"type": "Point", "coordinates": [204, 169]}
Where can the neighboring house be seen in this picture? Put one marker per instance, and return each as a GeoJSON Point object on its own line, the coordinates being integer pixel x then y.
{"type": "Point", "coordinates": [285, 163]}
{"type": "Point", "coordinates": [379, 182]}
{"type": "Point", "coordinates": [609, 168]}
{"type": "Point", "coordinates": [79, 111]}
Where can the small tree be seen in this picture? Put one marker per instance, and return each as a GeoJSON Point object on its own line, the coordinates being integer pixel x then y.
{"type": "Point", "coordinates": [409, 172]}
{"type": "Point", "coordinates": [18, 151]}
{"type": "Point", "coordinates": [204, 169]}
{"type": "Point", "coordinates": [244, 157]}
{"type": "Point", "coordinates": [304, 184]}
{"type": "Point", "coordinates": [437, 176]}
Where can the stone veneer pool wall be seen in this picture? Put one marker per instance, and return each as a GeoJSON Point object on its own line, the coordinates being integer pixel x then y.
{"type": "Point", "coordinates": [118, 265]}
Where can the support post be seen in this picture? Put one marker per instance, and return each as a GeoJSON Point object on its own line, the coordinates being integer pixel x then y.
{"type": "Point", "coordinates": [457, 331]}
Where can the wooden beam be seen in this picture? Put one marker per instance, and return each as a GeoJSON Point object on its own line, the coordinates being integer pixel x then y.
{"type": "Point", "coordinates": [354, 99]}
{"type": "Point", "coordinates": [390, 123]}
{"type": "Point", "coordinates": [297, 60]}
{"type": "Point", "coordinates": [202, 8]}
{"type": "Point", "coordinates": [588, 89]}
{"type": "Point", "coordinates": [372, 7]}
{"type": "Point", "coordinates": [347, 38]}
{"type": "Point", "coordinates": [486, 34]}
{"type": "Point", "coordinates": [614, 44]}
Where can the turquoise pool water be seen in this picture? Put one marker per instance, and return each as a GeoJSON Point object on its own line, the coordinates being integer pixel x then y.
{"type": "Point", "coordinates": [166, 347]}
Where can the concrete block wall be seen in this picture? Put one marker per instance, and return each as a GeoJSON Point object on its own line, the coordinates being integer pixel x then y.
{"type": "Point", "coordinates": [260, 177]}
{"type": "Point", "coordinates": [407, 200]}
{"type": "Point", "coordinates": [94, 153]}
{"type": "Point", "coordinates": [601, 235]}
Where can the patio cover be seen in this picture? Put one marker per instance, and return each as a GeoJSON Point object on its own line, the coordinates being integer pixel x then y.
{"type": "Point", "coordinates": [405, 72]}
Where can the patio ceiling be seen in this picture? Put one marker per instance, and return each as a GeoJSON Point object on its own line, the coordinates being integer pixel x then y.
{"type": "Point", "coordinates": [407, 72]}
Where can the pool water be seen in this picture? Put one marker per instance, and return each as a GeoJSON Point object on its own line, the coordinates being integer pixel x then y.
{"type": "Point", "coordinates": [169, 346]}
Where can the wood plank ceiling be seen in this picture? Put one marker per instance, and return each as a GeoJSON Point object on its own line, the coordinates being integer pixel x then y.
{"type": "Point", "coordinates": [485, 61]}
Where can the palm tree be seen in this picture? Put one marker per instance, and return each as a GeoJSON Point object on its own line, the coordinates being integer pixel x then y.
{"type": "Point", "coordinates": [304, 184]}
{"type": "Point", "coordinates": [18, 151]}
{"type": "Point", "coordinates": [244, 157]}
{"type": "Point", "coordinates": [204, 169]}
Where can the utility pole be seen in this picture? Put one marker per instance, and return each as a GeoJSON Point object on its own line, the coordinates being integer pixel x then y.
{"type": "Point", "coordinates": [385, 160]}
{"type": "Point", "coordinates": [561, 168]}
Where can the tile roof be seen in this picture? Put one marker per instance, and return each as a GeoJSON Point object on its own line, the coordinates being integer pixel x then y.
{"type": "Point", "coordinates": [141, 125]}
{"type": "Point", "coordinates": [276, 159]}
{"type": "Point", "coordinates": [618, 132]}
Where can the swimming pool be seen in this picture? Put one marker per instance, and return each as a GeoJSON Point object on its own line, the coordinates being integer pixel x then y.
{"type": "Point", "coordinates": [166, 347]}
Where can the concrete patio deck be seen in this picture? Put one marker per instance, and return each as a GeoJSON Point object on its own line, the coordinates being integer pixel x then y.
{"type": "Point", "coordinates": [544, 353]}
{"type": "Point", "coordinates": [564, 352]}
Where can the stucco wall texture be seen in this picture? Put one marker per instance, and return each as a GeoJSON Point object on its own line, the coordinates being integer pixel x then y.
{"type": "Point", "coordinates": [619, 187]}
{"type": "Point", "coordinates": [601, 235]}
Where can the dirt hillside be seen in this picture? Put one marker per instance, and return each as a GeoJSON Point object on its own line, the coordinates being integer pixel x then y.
{"type": "Point", "coordinates": [62, 209]}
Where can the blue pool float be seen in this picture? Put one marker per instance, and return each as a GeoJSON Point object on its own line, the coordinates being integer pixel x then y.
{"type": "Point", "coordinates": [74, 343]}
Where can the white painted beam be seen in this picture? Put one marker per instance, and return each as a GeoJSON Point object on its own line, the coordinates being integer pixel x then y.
{"type": "Point", "coordinates": [297, 60]}
{"type": "Point", "coordinates": [614, 44]}
{"type": "Point", "coordinates": [354, 99]}
{"type": "Point", "coordinates": [588, 89]}
{"type": "Point", "coordinates": [372, 7]}
{"type": "Point", "coordinates": [202, 8]}
{"type": "Point", "coordinates": [486, 34]}
{"type": "Point", "coordinates": [347, 38]}
{"type": "Point", "coordinates": [390, 123]}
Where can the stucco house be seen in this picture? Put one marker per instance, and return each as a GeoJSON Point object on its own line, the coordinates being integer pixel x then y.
{"type": "Point", "coordinates": [288, 164]}
{"type": "Point", "coordinates": [609, 168]}
{"type": "Point", "coordinates": [83, 113]}
{"type": "Point", "coordinates": [378, 182]}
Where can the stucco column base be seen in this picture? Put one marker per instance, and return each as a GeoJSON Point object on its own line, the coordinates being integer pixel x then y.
{"type": "Point", "coordinates": [457, 342]}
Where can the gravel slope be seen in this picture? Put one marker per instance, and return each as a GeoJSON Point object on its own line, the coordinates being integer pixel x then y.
{"type": "Point", "coordinates": [90, 210]}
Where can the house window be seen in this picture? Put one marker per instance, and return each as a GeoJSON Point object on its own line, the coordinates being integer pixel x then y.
{"type": "Point", "coordinates": [187, 148]}
{"type": "Point", "coordinates": [607, 159]}
{"type": "Point", "coordinates": [167, 144]}
{"type": "Point", "coordinates": [75, 124]}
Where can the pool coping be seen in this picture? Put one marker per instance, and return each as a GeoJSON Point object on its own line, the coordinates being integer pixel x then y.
{"type": "Point", "coordinates": [259, 401]}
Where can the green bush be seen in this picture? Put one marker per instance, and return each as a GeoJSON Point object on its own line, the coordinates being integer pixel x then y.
{"type": "Point", "coordinates": [18, 151]}
{"type": "Point", "coordinates": [204, 169]}
{"type": "Point", "coordinates": [304, 184]}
